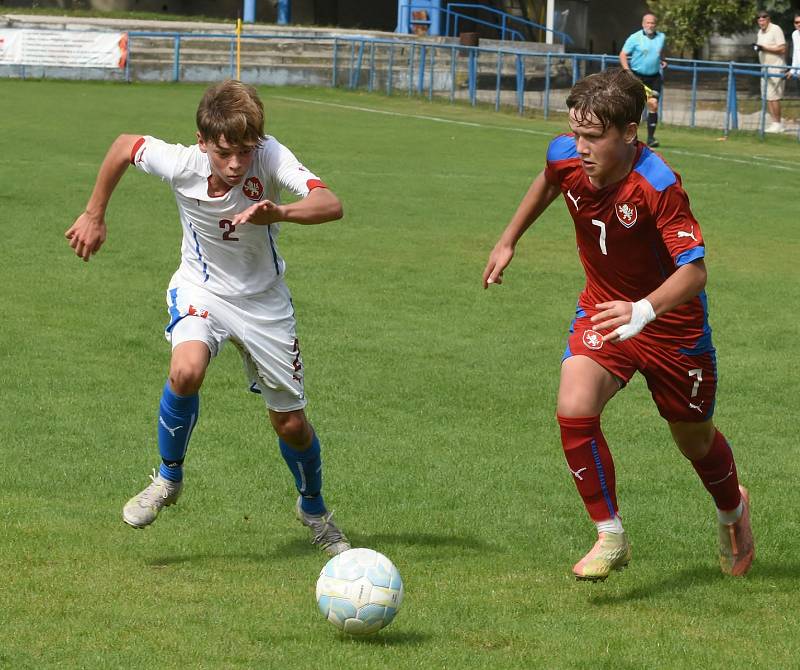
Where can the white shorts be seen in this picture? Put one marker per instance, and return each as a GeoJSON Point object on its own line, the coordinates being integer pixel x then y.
{"type": "Point", "coordinates": [774, 85]}
{"type": "Point", "coordinates": [262, 328]}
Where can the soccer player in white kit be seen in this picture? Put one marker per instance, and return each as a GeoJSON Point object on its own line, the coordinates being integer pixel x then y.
{"type": "Point", "coordinates": [229, 285]}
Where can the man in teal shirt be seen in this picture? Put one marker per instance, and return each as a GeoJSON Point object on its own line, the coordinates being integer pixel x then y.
{"type": "Point", "coordinates": [641, 54]}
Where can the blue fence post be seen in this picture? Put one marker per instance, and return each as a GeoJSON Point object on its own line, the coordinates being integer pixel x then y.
{"type": "Point", "coordinates": [176, 62]}
{"type": "Point", "coordinates": [352, 64]}
{"type": "Point", "coordinates": [423, 55]}
{"type": "Point", "coordinates": [370, 80]}
{"type": "Point", "coordinates": [232, 57]}
{"type": "Point", "coordinates": [473, 75]}
{"type": "Point", "coordinates": [734, 106]}
{"type": "Point", "coordinates": [335, 56]}
{"type": "Point", "coordinates": [433, 70]}
{"type": "Point", "coordinates": [763, 119]}
{"type": "Point", "coordinates": [390, 74]}
{"type": "Point", "coordinates": [453, 56]}
{"type": "Point", "coordinates": [357, 77]}
{"type": "Point", "coordinates": [694, 95]}
{"type": "Point", "coordinates": [520, 85]}
{"type": "Point", "coordinates": [498, 74]}
{"type": "Point", "coordinates": [603, 63]}
{"type": "Point", "coordinates": [411, 69]}
{"type": "Point", "coordinates": [546, 86]}
{"type": "Point", "coordinates": [576, 70]}
{"type": "Point", "coordinates": [128, 61]}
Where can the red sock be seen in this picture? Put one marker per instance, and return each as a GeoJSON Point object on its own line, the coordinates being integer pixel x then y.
{"type": "Point", "coordinates": [717, 471]}
{"type": "Point", "coordinates": [590, 462]}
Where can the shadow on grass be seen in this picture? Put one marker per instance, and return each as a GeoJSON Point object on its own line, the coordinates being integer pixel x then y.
{"type": "Point", "coordinates": [249, 557]}
{"type": "Point", "coordinates": [388, 638]}
{"type": "Point", "coordinates": [685, 580]}
{"type": "Point", "coordinates": [426, 540]}
{"type": "Point", "coordinates": [300, 547]}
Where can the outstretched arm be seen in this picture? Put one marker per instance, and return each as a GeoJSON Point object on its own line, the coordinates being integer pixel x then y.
{"type": "Point", "coordinates": [538, 198]}
{"type": "Point", "coordinates": [88, 233]}
{"type": "Point", "coordinates": [319, 206]}
{"type": "Point", "coordinates": [629, 318]}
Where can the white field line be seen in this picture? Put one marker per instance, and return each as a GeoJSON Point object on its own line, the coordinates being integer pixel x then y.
{"type": "Point", "coordinates": [771, 163]}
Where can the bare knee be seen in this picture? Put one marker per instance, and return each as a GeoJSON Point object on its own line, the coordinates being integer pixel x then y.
{"type": "Point", "coordinates": [585, 387]}
{"type": "Point", "coordinates": [293, 428]}
{"type": "Point", "coordinates": [187, 369]}
{"type": "Point", "coordinates": [186, 379]}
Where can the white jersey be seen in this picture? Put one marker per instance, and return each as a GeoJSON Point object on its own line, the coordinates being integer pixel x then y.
{"type": "Point", "coordinates": [226, 260]}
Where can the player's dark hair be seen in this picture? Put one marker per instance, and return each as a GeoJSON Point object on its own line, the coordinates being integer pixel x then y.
{"type": "Point", "coordinates": [615, 97]}
{"type": "Point", "coordinates": [763, 15]}
{"type": "Point", "coordinates": [233, 110]}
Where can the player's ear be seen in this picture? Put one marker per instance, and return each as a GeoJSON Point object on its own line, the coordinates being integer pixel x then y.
{"type": "Point", "coordinates": [629, 133]}
{"type": "Point", "coordinates": [201, 142]}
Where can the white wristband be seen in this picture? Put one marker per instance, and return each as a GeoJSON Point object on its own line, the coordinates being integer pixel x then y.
{"type": "Point", "coordinates": [641, 314]}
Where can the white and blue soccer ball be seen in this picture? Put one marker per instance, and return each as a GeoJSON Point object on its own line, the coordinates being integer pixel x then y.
{"type": "Point", "coordinates": [359, 591]}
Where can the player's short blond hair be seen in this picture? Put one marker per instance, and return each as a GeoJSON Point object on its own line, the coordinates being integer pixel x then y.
{"type": "Point", "coordinates": [233, 110]}
{"type": "Point", "coordinates": [616, 97]}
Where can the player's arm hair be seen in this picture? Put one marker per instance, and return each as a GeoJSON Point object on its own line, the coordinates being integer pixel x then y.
{"type": "Point", "coordinates": [538, 198]}
{"type": "Point", "coordinates": [117, 160]}
{"type": "Point", "coordinates": [680, 287]}
{"type": "Point", "coordinates": [319, 206]}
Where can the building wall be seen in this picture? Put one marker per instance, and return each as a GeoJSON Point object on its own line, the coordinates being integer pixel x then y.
{"type": "Point", "coordinates": [610, 23]}
{"type": "Point", "coordinates": [374, 15]}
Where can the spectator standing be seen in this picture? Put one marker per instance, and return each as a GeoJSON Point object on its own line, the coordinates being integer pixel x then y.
{"type": "Point", "coordinates": [771, 47]}
{"type": "Point", "coordinates": [794, 71]}
{"type": "Point", "coordinates": [641, 54]}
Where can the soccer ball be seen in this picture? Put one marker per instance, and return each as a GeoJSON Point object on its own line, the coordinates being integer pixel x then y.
{"type": "Point", "coordinates": [359, 591]}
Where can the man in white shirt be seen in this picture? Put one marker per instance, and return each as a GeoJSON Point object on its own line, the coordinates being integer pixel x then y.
{"type": "Point", "coordinates": [771, 47]}
{"type": "Point", "coordinates": [229, 285]}
{"type": "Point", "coordinates": [794, 71]}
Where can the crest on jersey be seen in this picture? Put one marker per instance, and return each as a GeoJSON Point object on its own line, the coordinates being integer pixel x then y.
{"type": "Point", "coordinates": [253, 188]}
{"type": "Point", "coordinates": [592, 339]}
{"type": "Point", "coordinates": [626, 213]}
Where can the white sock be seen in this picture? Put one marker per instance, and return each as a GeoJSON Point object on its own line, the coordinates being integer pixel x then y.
{"type": "Point", "coordinates": [610, 526]}
{"type": "Point", "coordinates": [731, 516]}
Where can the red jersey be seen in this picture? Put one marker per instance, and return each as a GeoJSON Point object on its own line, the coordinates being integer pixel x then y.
{"type": "Point", "coordinates": [632, 235]}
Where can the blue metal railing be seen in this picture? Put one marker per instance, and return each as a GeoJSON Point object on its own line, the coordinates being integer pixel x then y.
{"type": "Point", "coordinates": [452, 17]}
{"type": "Point", "coordinates": [505, 17]}
{"type": "Point", "coordinates": [428, 68]}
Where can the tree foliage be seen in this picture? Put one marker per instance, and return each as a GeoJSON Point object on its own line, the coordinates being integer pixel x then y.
{"type": "Point", "coordinates": [689, 23]}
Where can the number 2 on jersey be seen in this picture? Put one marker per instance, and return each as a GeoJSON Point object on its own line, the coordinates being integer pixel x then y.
{"type": "Point", "coordinates": [229, 229]}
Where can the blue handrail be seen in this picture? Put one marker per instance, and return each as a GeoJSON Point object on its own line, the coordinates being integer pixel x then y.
{"type": "Point", "coordinates": [505, 16]}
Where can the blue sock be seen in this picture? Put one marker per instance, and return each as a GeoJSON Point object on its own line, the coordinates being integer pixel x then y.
{"type": "Point", "coordinates": [177, 416]}
{"type": "Point", "coordinates": [306, 466]}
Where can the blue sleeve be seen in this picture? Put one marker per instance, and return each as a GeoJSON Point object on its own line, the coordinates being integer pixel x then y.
{"type": "Point", "coordinates": [630, 44]}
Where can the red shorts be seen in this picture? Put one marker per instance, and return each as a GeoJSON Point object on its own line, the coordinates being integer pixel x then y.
{"type": "Point", "coordinates": [682, 381]}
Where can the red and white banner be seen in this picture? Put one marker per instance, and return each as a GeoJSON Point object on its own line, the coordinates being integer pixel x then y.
{"type": "Point", "coordinates": [63, 48]}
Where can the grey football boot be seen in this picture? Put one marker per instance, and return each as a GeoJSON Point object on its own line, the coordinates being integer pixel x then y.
{"type": "Point", "coordinates": [143, 508]}
{"type": "Point", "coordinates": [324, 533]}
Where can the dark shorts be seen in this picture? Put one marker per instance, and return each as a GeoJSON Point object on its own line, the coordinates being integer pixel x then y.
{"type": "Point", "coordinates": [652, 81]}
{"type": "Point", "coordinates": [683, 383]}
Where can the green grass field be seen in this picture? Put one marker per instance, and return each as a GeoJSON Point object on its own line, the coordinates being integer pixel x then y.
{"type": "Point", "coordinates": [434, 400]}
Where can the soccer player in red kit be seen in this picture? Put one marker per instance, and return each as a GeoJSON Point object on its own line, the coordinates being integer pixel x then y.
{"type": "Point", "coordinates": [643, 309]}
